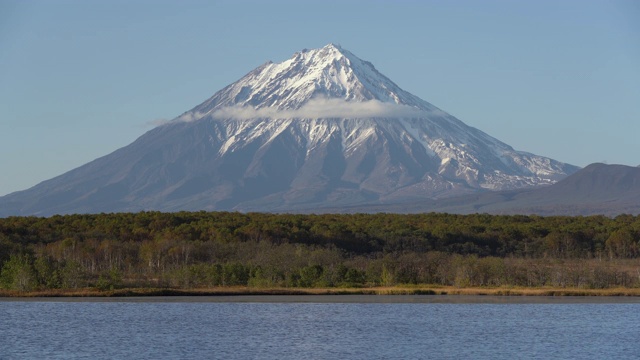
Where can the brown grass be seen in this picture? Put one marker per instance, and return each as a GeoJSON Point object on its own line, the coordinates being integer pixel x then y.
{"type": "Point", "coordinates": [396, 290]}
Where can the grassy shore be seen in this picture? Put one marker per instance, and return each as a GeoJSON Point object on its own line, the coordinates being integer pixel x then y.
{"type": "Point", "coordinates": [396, 290]}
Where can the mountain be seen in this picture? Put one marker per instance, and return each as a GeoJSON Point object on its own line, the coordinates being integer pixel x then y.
{"type": "Point", "coordinates": [598, 189]}
{"type": "Point", "coordinates": [323, 128]}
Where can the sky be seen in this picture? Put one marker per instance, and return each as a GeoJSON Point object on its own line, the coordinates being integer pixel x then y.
{"type": "Point", "coordinates": [80, 78]}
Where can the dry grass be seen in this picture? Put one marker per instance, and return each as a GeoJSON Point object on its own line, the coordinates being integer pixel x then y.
{"type": "Point", "coordinates": [396, 290]}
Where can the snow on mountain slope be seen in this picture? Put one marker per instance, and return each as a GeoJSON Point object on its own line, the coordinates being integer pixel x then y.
{"type": "Point", "coordinates": [322, 129]}
{"type": "Point", "coordinates": [332, 83]}
{"type": "Point", "coordinates": [329, 72]}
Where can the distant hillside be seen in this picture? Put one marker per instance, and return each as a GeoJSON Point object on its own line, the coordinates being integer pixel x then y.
{"type": "Point", "coordinates": [597, 189]}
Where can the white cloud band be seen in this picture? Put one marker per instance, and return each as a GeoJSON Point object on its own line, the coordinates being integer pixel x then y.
{"type": "Point", "coordinates": [314, 109]}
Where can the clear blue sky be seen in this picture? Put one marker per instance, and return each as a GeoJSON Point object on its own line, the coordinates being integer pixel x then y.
{"type": "Point", "coordinates": [79, 79]}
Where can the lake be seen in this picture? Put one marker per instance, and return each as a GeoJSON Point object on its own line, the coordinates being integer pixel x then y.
{"type": "Point", "coordinates": [321, 327]}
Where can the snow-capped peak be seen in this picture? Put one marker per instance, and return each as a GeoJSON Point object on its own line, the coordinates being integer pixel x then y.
{"type": "Point", "coordinates": [329, 93]}
{"type": "Point", "coordinates": [329, 72]}
{"type": "Point", "coordinates": [321, 129]}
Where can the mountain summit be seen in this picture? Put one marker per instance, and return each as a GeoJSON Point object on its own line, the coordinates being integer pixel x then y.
{"type": "Point", "coordinates": [328, 72]}
{"type": "Point", "coordinates": [322, 129]}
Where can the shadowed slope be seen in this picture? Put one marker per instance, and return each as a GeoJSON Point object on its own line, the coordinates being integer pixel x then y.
{"type": "Point", "coordinates": [597, 189]}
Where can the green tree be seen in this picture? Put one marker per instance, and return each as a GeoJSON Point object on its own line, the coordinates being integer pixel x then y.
{"type": "Point", "coordinates": [310, 275]}
{"type": "Point", "coordinates": [18, 274]}
{"type": "Point", "coordinates": [622, 243]}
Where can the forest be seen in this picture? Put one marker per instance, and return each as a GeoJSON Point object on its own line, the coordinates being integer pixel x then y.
{"type": "Point", "coordinates": [188, 250]}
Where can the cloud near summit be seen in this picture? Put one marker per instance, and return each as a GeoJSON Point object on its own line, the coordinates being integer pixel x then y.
{"type": "Point", "coordinates": [323, 108]}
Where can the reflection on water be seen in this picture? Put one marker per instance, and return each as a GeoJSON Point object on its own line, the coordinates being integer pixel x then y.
{"type": "Point", "coordinates": [413, 328]}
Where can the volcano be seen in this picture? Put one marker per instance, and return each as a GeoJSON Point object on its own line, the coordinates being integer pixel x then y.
{"type": "Point", "coordinates": [321, 129]}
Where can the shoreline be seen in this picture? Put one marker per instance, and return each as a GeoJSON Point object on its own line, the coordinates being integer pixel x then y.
{"type": "Point", "coordinates": [231, 292]}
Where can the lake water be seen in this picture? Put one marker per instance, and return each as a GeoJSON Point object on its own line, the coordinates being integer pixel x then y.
{"type": "Point", "coordinates": [369, 327]}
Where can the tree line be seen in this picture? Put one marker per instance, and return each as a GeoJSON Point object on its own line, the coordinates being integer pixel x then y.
{"type": "Point", "coordinates": [207, 249]}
